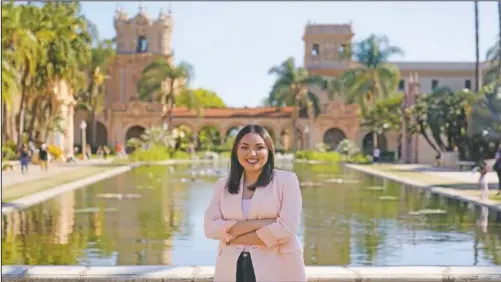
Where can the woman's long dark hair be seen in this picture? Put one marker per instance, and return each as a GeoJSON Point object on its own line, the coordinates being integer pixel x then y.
{"type": "Point", "coordinates": [237, 169]}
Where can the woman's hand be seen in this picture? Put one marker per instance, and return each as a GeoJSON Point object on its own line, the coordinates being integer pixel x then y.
{"type": "Point", "coordinates": [247, 226]}
{"type": "Point", "coordinates": [250, 238]}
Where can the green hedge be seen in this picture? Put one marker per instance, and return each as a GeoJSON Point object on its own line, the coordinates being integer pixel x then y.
{"type": "Point", "coordinates": [333, 157]}
{"type": "Point", "coordinates": [157, 153]}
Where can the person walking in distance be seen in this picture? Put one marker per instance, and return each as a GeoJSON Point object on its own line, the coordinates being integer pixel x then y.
{"type": "Point", "coordinates": [24, 158]}
{"type": "Point", "coordinates": [482, 181]}
{"type": "Point", "coordinates": [44, 157]}
{"type": "Point", "coordinates": [255, 214]}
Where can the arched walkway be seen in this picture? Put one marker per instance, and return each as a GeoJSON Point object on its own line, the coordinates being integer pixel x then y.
{"type": "Point", "coordinates": [270, 131]}
{"type": "Point", "coordinates": [133, 132]}
{"type": "Point", "coordinates": [232, 131]}
{"type": "Point", "coordinates": [209, 137]}
{"type": "Point", "coordinates": [333, 136]}
{"type": "Point", "coordinates": [367, 145]}
{"type": "Point", "coordinates": [101, 137]}
{"type": "Point", "coordinates": [101, 134]}
{"type": "Point", "coordinates": [285, 140]}
{"type": "Point", "coordinates": [185, 137]}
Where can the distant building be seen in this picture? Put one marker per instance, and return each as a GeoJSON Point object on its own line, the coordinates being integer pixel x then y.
{"type": "Point", "coordinates": [142, 40]}
{"type": "Point", "coordinates": [324, 45]}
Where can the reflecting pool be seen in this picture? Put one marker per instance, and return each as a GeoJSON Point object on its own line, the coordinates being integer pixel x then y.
{"type": "Point", "coordinates": [154, 215]}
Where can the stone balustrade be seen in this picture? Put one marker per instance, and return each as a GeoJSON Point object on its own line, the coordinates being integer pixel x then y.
{"type": "Point", "coordinates": [206, 273]}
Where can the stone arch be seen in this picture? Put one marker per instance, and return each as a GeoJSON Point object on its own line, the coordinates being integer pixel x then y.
{"type": "Point", "coordinates": [209, 136]}
{"type": "Point", "coordinates": [270, 131]}
{"type": "Point", "coordinates": [101, 134]}
{"type": "Point", "coordinates": [232, 130]}
{"type": "Point", "coordinates": [134, 131]}
{"type": "Point", "coordinates": [285, 140]}
{"type": "Point", "coordinates": [367, 141]}
{"type": "Point", "coordinates": [333, 136]}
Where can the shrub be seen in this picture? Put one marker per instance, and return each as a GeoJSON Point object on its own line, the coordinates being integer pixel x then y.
{"type": "Point", "coordinates": [55, 152]}
{"type": "Point", "coordinates": [157, 153]}
{"type": "Point", "coordinates": [319, 156]}
{"type": "Point", "coordinates": [9, 150]}
{"type": "Point", "coordinates": [153, 153]}
{"type": "Point", "coordinates": [181, 155]}
{"type": "Point", "coordinates": [322, 147]}
{"type": "Point", "coordinates": [347, 148]}
{"type": "Point", "coordinates": [360, 159]}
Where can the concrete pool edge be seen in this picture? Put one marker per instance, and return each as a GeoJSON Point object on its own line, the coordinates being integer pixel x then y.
{"type": "Point", "coordinates": [206, 273]}
{"type": "Point", "coordinates": [446, 192]}
{"type": "Point", "coordinates": [38, 197]}
{"type": "Point", "coordinates": [33, 199]}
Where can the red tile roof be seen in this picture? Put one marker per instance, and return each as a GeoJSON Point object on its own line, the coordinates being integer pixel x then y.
{"type": "Point", "coordinates": [236, 112]}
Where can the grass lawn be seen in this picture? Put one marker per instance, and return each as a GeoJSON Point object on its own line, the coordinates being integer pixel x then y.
{"type": "Point", "coordinates": [20, 190]}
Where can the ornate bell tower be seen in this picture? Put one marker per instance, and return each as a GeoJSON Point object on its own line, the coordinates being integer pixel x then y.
{"type": "Point", "coordinates": [327, 46]}
{"type": "Point", "coordinates": [327, 53]}
{"type": "Point", "coordinates": [143, 35]}
{"type": "Point", "coordinates": [139, 41]}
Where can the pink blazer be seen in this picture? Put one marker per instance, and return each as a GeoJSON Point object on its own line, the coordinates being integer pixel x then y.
{"type": "Point", "coordinates": [282, 257]}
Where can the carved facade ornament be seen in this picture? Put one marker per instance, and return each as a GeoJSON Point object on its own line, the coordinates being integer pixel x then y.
{"type": "Point", "coordinates": [136, 108]}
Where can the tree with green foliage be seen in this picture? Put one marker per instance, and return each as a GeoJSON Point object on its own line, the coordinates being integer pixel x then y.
{"type": "Point", "coordinates": [209, 137]}
{"type": "Point", "coordinates": [374, 78]}
{"type": "Point", "coordinates": [92, 98]}
{"type": "Point", "coordinates": [161, 82]}
{"type": "Point", "coordinates": [384, 116]}
{"type": "Point", "coordinates": [445, 115]}
{"type": "Point", "coordinates": [43, 46]}
{"type": "Point", "coordinates": [199, 98]}
{"type": "Point", "coordinates": [292, 88]}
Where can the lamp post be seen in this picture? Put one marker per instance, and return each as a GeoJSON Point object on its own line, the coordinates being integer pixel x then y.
{"type": "Point", "coordinates": [83, 126]}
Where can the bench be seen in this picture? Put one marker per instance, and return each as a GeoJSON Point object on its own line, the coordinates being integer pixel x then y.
{"type": "Point", "coordinates": [467, 165]}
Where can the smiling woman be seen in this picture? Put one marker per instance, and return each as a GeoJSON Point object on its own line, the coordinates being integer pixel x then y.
{"type": "Point", "coordinates": [255, 214]}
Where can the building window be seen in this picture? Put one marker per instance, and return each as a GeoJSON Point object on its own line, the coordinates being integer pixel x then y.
{"type": "Point", "coordinates": [142, 44]}
{"type": "Point", "coordinates": [315, 49]}
{"type": "Point", "coordinates": [467, 84]}
{"type": "Point", "coordinates": [342, 51]}
{"type": "Point", "coordinates": [401, 85]}
{"type": "Point", "coordinates": [434, 84]}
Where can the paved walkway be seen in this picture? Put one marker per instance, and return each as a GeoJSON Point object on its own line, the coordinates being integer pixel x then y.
{"type": "Point", "coordinates": [462, 176]}
{"type": "Point", "coordinates": [401, 173]}
{"type": "Point", "coordinates": [15, 176]}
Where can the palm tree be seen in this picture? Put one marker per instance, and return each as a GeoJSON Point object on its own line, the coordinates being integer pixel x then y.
{"type": "Point", "coordinates": [42, 46]}
{"type": "Point", "coordinates": [292, 89]}
{"type": "Point", "coordinates": [64, 55]}
{"type": "Point", "coordinates": [374, 78]}
{"type": "Point", "coordinates": [477, 50]}
{"type": "Point", "coordinates": [20, 50]}
{"type": "Point", "coordinates": [161, 82]}
{"type": "Point", "coordinates": [92, 97]}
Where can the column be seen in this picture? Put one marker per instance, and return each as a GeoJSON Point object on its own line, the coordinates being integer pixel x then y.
{"type": "Point", "coordinates": [70, 125]}
{"type": "Point", "coordinates": [60, 138]}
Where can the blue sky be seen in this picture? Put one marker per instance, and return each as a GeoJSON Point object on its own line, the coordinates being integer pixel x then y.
{"type": "Point", "coordinates": [232, 45]}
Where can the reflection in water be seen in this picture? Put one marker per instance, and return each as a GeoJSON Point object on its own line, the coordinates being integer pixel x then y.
{"type": "Point", "coordinates": [158, 220]}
